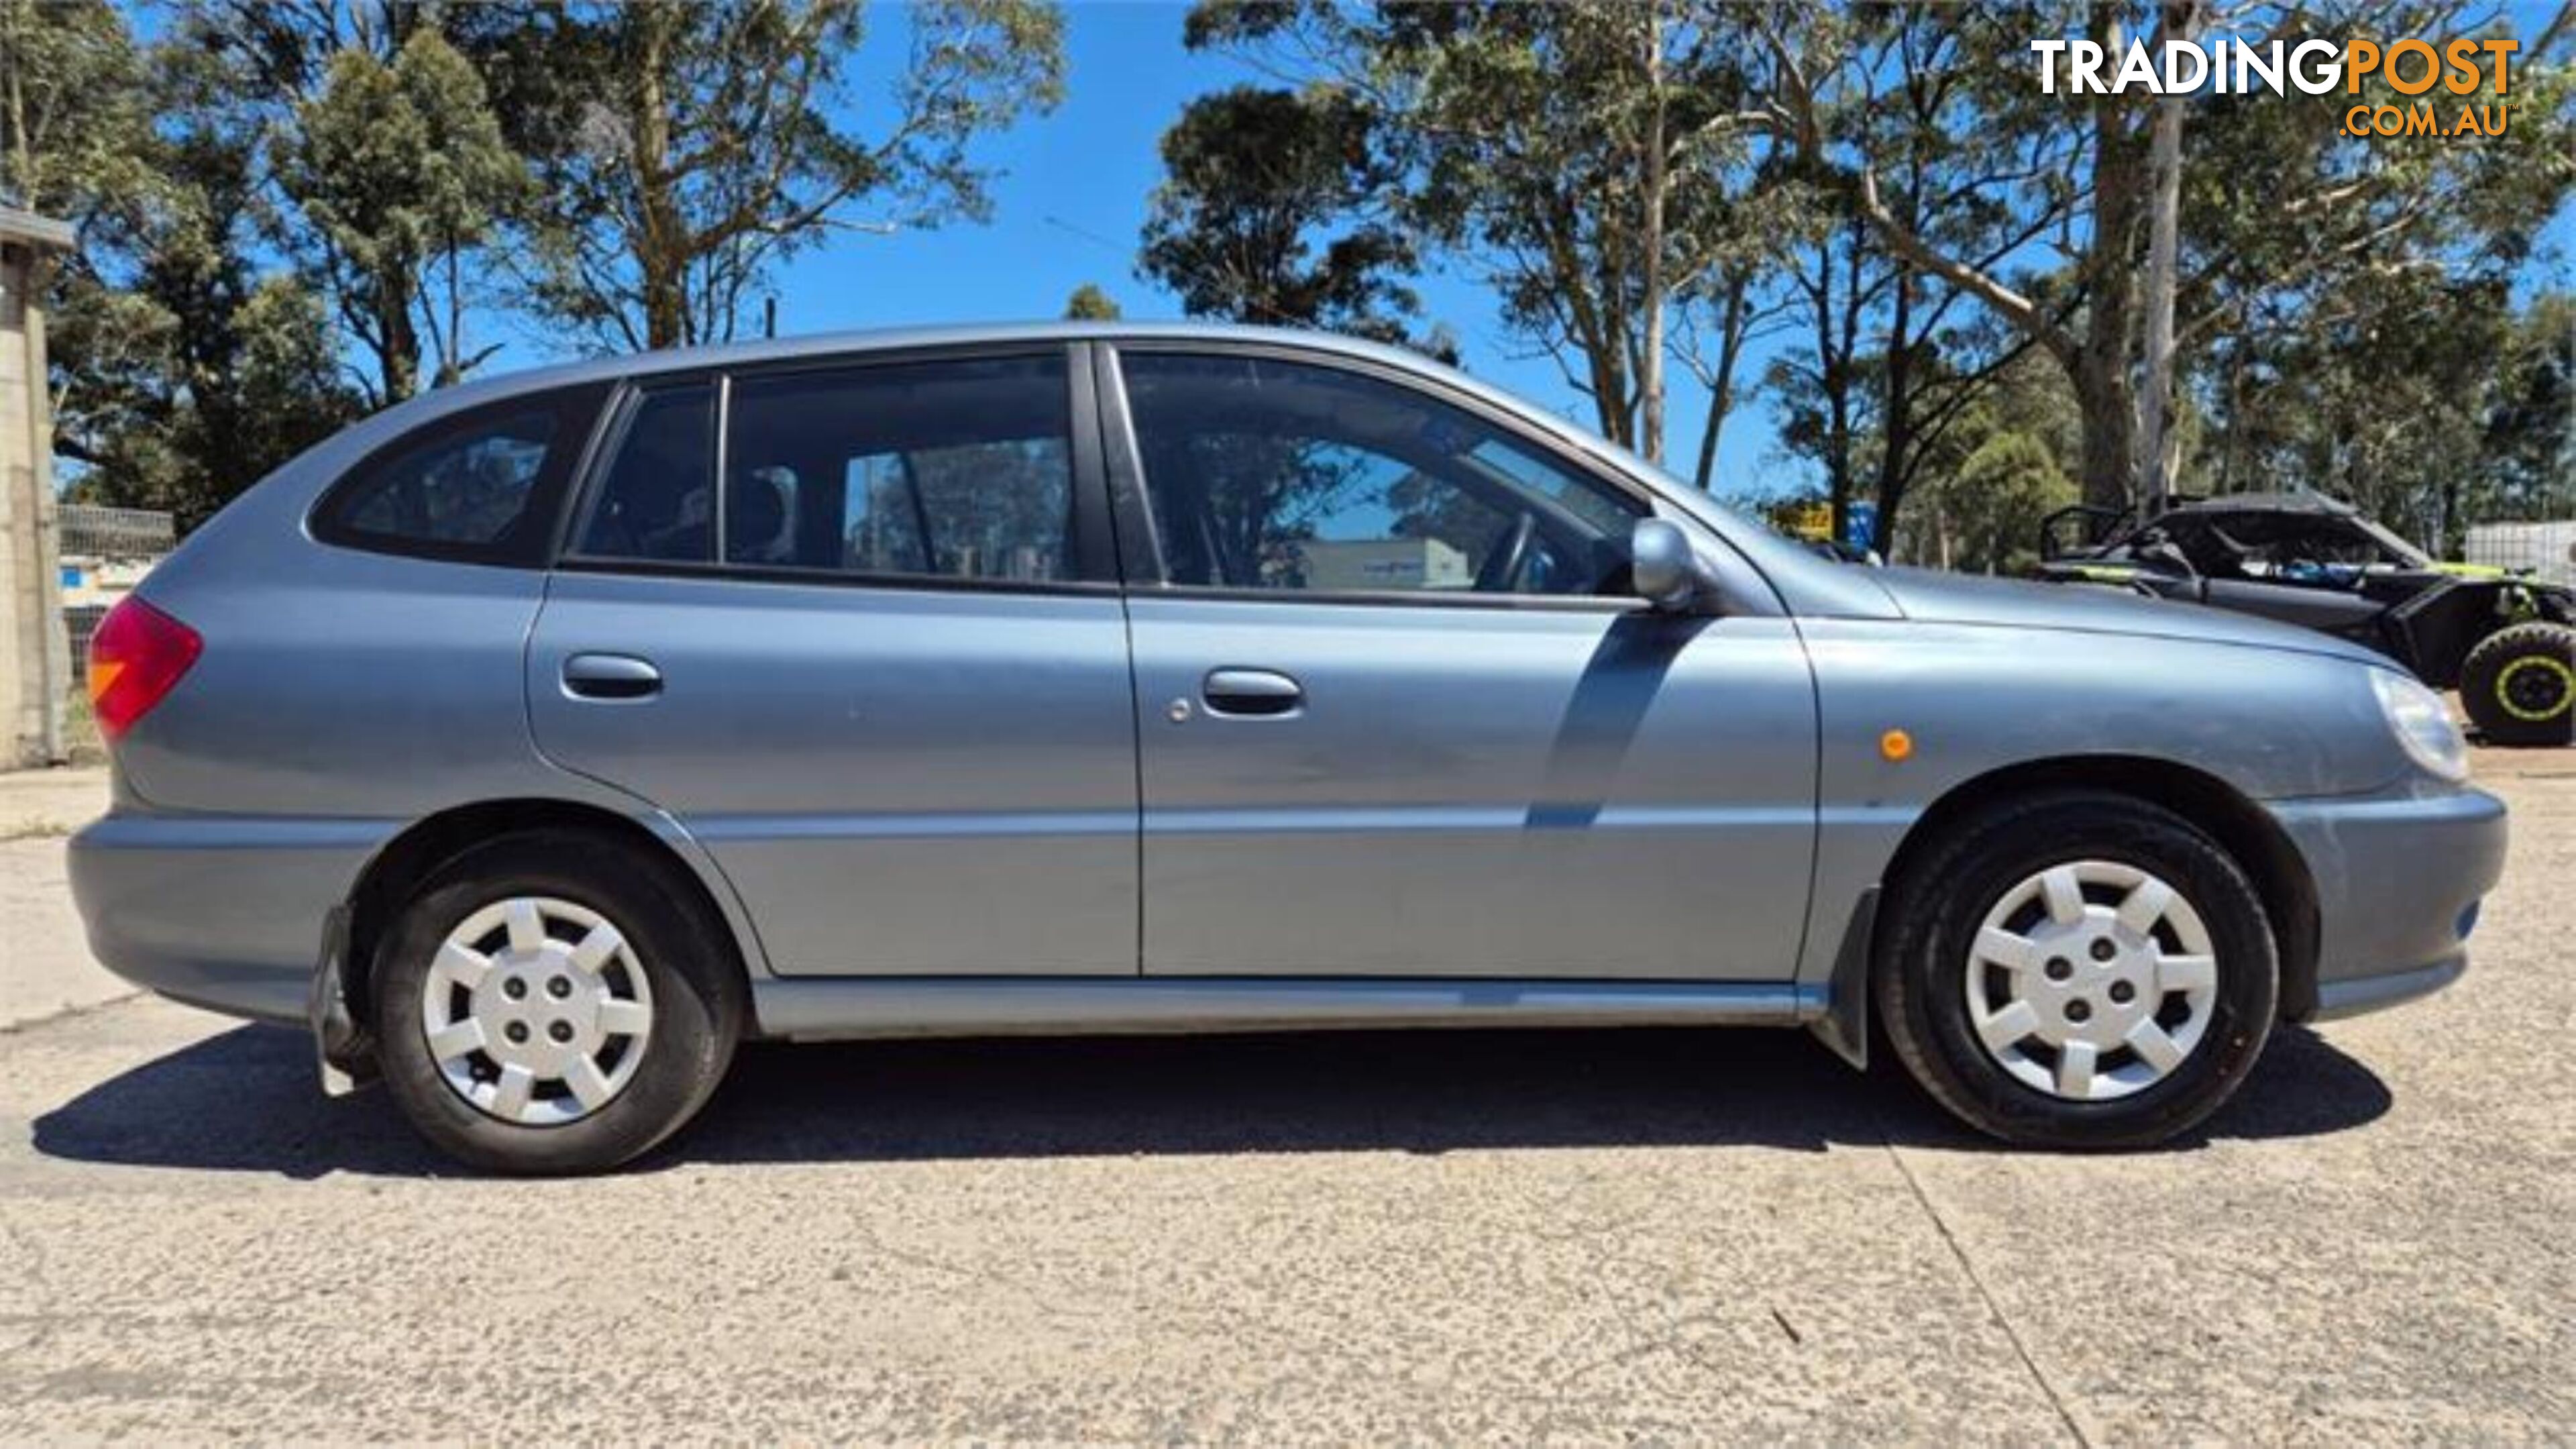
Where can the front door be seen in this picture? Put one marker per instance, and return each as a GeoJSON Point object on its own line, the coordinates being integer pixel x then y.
{"type": "Point", "coordinates": [1399, 719]}
{"type": "Point", "coordinates": [881, 675]}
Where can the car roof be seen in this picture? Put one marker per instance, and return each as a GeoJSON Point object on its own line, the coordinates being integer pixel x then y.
{"type": "Point", "coordinates": [2268, 503]}
{"type": "Point", "coordinates": [2313, 505]}
{"type": "Point", "coordinates": [898, 339]}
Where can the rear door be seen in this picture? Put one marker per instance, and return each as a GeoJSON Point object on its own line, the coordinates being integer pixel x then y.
{"type": "Point", "coordinates": [856, 627]}
{"type": "Point", "coordinates": [1400, 715]}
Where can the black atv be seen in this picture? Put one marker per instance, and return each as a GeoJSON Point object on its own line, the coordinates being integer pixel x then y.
{"type": "Point", "coordinates": [2506, 641]}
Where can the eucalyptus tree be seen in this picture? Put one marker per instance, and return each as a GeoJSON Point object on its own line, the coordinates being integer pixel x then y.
{"type": "Point", "coordinates": [1583, 160]}
{"type": "Point", "coordinates": [1090, 304]}
{"type": "Point", "coordinates": [1273, 209]}
{"type": "Point", "coordinates": [683, 149]}
{"type": "Point", "coordinates": [400, 171]}
{"type": "Point", "coordinates": [1889, 354]}
{"type": "Point", "coordinates": [184, 366]}
{"type": "Point", "coordinates": [2312, 205]}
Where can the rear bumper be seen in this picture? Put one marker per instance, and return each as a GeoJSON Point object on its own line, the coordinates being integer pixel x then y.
{"type": "Point", "coordinates": [2398, 881]}
{"type": "Point", "coordinates": [218, 912]}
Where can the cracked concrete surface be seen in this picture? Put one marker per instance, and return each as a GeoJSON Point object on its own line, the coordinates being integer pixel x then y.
{"type": "Point", "coordinates": [1661, 1235]}
{"type": "Point", "coordinates": [45, 967]}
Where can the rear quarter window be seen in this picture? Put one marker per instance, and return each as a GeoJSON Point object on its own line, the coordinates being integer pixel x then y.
{"type": "Point", "coordinates": [485, 486]}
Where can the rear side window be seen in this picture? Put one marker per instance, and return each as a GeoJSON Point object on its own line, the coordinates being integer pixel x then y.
{"type": "Point", "coordinates": [657, 502]}
{"type": "Point", "coordinates": [956, 469]}
{"type": "Point", "coordinates": [482, 488]}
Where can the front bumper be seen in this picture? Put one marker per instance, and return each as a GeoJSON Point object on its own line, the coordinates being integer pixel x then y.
{"type": "Point", "coordinates": [2398, 878]}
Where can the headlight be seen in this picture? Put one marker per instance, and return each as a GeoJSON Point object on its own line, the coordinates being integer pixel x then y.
{"type": "Point", "coordinates": [2422, 723]}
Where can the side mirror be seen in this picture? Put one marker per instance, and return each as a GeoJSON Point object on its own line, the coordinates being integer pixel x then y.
{"type": "Point", "coordinates": [1662, 566]}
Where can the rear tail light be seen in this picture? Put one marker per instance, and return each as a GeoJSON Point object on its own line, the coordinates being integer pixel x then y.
{"type": "Point", "coordinates": [135, 657]}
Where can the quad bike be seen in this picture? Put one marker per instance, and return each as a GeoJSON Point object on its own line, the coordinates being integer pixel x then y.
{"type": "Point", "coordinates": [2506, 641]}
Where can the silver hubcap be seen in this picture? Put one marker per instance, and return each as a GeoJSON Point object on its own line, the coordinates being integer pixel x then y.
{"type": "Point", "coordinates": [536, 1011]}
{"type": "Point", "coordinates": [2091, 980]}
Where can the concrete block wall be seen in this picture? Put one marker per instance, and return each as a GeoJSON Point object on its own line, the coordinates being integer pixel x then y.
{"type": "Point", "coordinates": [35, 662]}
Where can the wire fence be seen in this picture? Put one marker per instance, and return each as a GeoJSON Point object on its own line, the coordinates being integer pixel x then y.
{"type": "Point", "coordinates": [80, 621]}
{"type": "Point", "coordinates": [89, 531]}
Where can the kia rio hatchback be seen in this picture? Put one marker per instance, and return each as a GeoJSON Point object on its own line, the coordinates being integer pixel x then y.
{"type": "Point", "coordinates": [536, 741]}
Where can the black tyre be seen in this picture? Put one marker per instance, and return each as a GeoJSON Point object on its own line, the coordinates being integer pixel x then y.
{"type": "Point", "coordinates": [2519, 685]}
{"type": "Point", "coordinates": [2077, 969]}
{"type": "Point", "coordinates": [554, 1002]}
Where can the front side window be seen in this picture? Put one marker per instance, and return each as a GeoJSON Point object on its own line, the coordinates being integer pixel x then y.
{"type": "Point", "coordinates": [954, 469]}
{"type": "Point", "coordinates": [480, 489]}
{"type": "Point", "coordinates": [1279, 475]}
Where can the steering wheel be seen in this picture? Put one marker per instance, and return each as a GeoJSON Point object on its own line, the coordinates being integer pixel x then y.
{"type": "Point", "coordinates": [1501, 573]}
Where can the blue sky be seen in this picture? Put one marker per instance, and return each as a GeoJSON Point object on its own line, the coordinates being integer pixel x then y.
{"type": "Point", "coordinates": [1071, 197]}
{"type": "Point", "coordinates": [1068, 207]}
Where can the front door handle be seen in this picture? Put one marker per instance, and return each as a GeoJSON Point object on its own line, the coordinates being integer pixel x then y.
{"type": "Point", "coordinates": [1251, 692]}
{"type": "Point", "coordinates": [611, 676]}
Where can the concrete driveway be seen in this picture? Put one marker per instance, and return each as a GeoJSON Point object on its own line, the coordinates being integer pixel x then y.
{"type": "Point", "coordinates": [1669, 1235]}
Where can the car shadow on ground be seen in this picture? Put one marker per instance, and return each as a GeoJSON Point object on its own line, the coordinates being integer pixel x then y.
{"type": "Point", "coordinates": [246, 1101]}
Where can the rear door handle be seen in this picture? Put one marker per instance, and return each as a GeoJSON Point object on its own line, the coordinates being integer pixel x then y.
{"type": "Point", "coordinates": [611, 676]}
{"type": "Point", "coordinates": [1251, 692]}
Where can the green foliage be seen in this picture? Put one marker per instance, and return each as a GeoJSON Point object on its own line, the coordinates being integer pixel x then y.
{"type": "Point", "coordinates": [1266, 215]}
{"type": "Point", "coordinates": [182, 371]}
{"type": "Point", "coordinates": [385, 147]}
{"type": "Point", "coordinates": [72, 119]}
{"type": "Point", "coordinates": [2348, 313]}
{"type": "Point", "coordinates": [275, 200]}
{"type": "Point", "coordinates": [400, 170]}
{"type": "Point", "coordinates": [2527, 461]}
{"type": "Point", "coordinates": [2432, 404]}
{"type": "Point", "coordinates": [1591, 162]}
{"type": "Point", "coordinates": [1090, 304]}
{"type": "Point", "coordinates": [1999, 470]}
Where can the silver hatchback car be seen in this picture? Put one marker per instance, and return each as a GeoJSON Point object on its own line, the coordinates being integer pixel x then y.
{"type": "Point", "coordinates": [538, 740]}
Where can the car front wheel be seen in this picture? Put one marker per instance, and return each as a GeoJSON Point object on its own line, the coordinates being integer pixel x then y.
{"type": "Point", "coordinates": [2078, 969]}
{"type": "Point", "coordinates": [551, 1002]}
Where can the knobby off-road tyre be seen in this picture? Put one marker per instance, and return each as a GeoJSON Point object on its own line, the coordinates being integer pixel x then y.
{"type": "Point", "coordinates": [2519, 685]}
{"type": "Point", "coordinates": [554, 1002]}
{"type": "Point", "coordinates": [2013, 986]}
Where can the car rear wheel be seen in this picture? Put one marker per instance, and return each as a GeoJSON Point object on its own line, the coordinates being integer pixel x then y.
{"type": "Point", "coordinates": [2078, 969]}
{"type": "Point", "coordinates": [552, 1002]}
{"type": "Point", "coordinates": [2519, 685]}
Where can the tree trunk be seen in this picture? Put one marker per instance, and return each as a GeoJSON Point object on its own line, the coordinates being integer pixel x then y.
{"type": "Point", "coordinates": [1721, 388]}
{"type": "Point", "coordinates": [1650, 365]}
{"type": "Point", "coordinates": [22, 148]}
{"type": "Point", "coordinates": [1895, 408]}
{"type": "Point", "coordinates": [1610, 397]}
{"type": "Point", "coordinates": [2109, 403]}
{"type": "Point", "coordinates": [451, 357]}
{"type": "Point", "coordinates": [2181, 21]}
{"type": "Point", "coordinates": [399, 361]}
{"type": "Point", "coordinates": [2100, 374]}
{"type": "Point", "coordinates": [1844, 375]}
{"type": "Point", "coordinates": [662, 243]}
